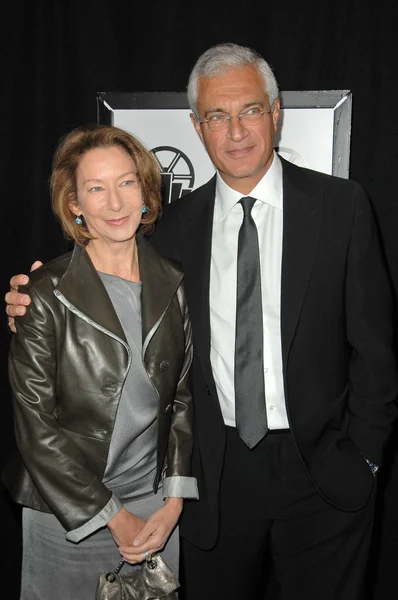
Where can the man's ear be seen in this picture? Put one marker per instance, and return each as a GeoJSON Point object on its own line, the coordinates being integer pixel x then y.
{"type": "Point", "coordinates": [197, 126]}
{"type": "Point", "coordinates": [275, 113]}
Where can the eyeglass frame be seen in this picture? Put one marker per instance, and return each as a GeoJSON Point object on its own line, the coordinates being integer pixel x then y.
{"type": "Point", "coordinates": [239, 116]}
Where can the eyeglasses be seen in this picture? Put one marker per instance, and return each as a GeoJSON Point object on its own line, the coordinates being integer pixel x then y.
{"type": "Point", "coordinates": [251, 116]}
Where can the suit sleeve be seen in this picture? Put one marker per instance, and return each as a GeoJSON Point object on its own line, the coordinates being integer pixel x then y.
{"type": "Point", "coordinates": [369, 322]}
{"type": "Point", "coordinates": [57, 467]}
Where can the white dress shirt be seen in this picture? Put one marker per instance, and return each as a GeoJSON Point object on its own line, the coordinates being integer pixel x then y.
{"type": "Point", "coordinates": [267, 213]}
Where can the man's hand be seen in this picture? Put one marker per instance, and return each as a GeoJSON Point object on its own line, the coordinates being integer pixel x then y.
{"type": "Point", "coordinates": [156, 532]}
{"type": "Point", "coordinates": [16, 302]}
{"type": "Point", "coordinates": [125, 527]}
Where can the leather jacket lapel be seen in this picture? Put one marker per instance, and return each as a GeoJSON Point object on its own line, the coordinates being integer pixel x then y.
{"type": "Point", "coordinates": [160, 282]}
{"type": "Point", "coordinates": [83, 290]}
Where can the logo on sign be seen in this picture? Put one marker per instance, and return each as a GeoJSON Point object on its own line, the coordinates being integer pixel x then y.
{"type": "Point", "coordinates": [178, 175]}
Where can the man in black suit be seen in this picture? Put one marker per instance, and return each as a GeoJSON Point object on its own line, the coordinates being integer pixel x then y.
{"type": "Point", "coordinates": [293, 476]}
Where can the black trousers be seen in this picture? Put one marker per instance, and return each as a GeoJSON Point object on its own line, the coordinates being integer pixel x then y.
{"type": "Point", "coordinates": [270, 509]}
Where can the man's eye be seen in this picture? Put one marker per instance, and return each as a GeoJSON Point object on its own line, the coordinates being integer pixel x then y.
{"type": "Point", "coordinates": [217, 118]}
{"type": "Point", "coordinates": [253, 111]}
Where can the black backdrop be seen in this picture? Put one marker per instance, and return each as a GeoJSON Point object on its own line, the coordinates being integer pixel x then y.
{"type": "Point", "coordinates": [56, 55]}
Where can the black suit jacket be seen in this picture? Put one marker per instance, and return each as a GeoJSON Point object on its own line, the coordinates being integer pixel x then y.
{"type": "Point", "coordinates": [339, 370]}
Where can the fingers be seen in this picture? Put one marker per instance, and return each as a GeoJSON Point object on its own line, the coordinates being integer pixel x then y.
{"type": "Point", "coordinates": [17, 280]}
{"type": "Point", "coordinates": [16, 303]}
{"type": "Point", "coordinates": [132, 556]}
{"type": "Point", "coordinates": [145, 533]}
{"type": "Point", "coordinates": [151, 539]}
{"type": "Point", "coordinates": [11, 324]}
{"type": "Point", "coordinates": [125, 527]}
{"type": "Point", "coordinates": [36, 265]}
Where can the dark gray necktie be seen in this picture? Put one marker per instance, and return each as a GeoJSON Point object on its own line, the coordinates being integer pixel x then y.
{"type": "Point", "coordinates": [251, 417]}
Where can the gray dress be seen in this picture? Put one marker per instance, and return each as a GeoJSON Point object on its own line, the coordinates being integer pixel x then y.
{"type": "Point", "coordinates": [57, 569]}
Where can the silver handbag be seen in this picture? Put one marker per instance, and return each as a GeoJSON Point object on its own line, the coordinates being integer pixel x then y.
{"type": "Point", "coordinates": [153, 581]}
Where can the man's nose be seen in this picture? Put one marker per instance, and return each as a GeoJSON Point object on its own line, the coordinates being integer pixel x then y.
{"type": "Point", "coordinates": [236, 129]}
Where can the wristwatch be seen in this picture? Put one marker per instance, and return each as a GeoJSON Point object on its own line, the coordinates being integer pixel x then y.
{"type": "Point", "coordinates": [373, 467]}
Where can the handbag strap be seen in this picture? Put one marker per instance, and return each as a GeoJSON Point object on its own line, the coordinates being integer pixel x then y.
{"type": "Point", "coordinates": [118, 568]}
{"type": "Point", "coordinates": [150, 562]}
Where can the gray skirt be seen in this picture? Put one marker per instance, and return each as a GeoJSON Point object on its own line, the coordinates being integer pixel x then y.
{"type": "Point", "coordinates": [55, 569]}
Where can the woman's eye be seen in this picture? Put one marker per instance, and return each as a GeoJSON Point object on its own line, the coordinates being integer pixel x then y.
{"type": "Point", "coordinates": [95, 188]}
{"type": "Point", "coordinates": [128, 182]}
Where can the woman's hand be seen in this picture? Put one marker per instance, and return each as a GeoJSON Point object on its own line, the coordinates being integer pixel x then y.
{"type": "Point", "coordinates": [125, 527]}
{"type": "Point", "coordinates": [156, 532]}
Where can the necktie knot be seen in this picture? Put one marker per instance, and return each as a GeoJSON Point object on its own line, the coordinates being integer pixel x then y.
{"type": "Point", "coordinates": [247, 205]}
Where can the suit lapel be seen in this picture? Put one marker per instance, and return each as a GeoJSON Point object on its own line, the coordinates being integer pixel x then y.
{"type": "Point", "coordinates": [196, 227]}
{"type": "Point", "coordinates": [302, 211]}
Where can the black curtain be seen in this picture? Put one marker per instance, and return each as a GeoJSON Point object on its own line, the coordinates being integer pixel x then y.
{"type": "Point", "coordinates": [56, 55]}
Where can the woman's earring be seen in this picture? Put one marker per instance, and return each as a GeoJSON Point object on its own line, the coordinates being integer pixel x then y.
{"type": "Point", "coordinates": [79, 220]}
{"type": "Point", "coordinates": [144, 209]}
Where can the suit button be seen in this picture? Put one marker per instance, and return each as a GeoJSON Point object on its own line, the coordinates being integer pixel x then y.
{"type": "Point", "coordinates": [208, 391]}
{"type": "Point", "coordinates": [164, 365]}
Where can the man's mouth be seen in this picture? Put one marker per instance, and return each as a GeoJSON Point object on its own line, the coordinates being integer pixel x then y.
{"type": "Point", "coordinates": [239, 152]}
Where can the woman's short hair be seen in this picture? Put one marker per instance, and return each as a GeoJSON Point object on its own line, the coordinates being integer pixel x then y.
{"type": "Point", "coordinates": [63, 182]}
{"type": "Point", "coordinates": [219, 58]}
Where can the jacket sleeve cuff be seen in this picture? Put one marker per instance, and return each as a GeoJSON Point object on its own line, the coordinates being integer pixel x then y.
{"type": "Point", "coordinates": [179, 486]}
{"type": "Point", "coordinates": [100, 520]}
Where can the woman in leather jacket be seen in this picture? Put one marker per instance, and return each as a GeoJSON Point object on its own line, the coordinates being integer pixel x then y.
{"type": "Point", "coordinates": [99, 371]}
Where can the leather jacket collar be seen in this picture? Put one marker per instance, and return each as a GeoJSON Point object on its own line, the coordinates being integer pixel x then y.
{"type": "Point", "coordinates": [159, 279]}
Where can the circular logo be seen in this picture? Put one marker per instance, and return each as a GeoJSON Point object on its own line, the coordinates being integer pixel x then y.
{"type": "Point", "coordinates": [292, 156]}
{"type": "Point", "coordinates": [178, 175]}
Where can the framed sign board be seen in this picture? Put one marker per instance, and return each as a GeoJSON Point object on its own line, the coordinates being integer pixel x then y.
{"type": "Point", "coordinates": [314, 132]}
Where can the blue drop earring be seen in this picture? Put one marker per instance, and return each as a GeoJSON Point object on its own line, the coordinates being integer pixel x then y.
{"type": "Point", "coordinates": [144, 209]}
{"type": "Point", "coordinates": [79, 220]}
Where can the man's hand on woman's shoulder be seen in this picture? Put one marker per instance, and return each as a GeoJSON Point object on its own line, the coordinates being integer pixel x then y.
{"type": "Point", "coordinates": [17, 302]}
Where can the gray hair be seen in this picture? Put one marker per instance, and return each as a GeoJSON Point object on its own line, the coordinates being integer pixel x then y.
{"type": "Point", "coordinates": [225, 56]}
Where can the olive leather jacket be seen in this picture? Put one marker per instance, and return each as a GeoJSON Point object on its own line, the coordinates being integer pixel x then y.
{"type": "Point", "coordinates": [68, 363]}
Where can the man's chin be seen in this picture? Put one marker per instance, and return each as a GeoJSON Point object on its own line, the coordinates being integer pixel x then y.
{"type": "Point", "coordinates": [245, 172]}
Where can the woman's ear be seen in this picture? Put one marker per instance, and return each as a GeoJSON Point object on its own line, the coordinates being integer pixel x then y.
{"type": "Point", "coordinates": [74, 207]}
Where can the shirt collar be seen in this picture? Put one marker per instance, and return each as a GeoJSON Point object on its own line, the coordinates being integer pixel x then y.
{"type": "Point", "coordinates": [268, 190]}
